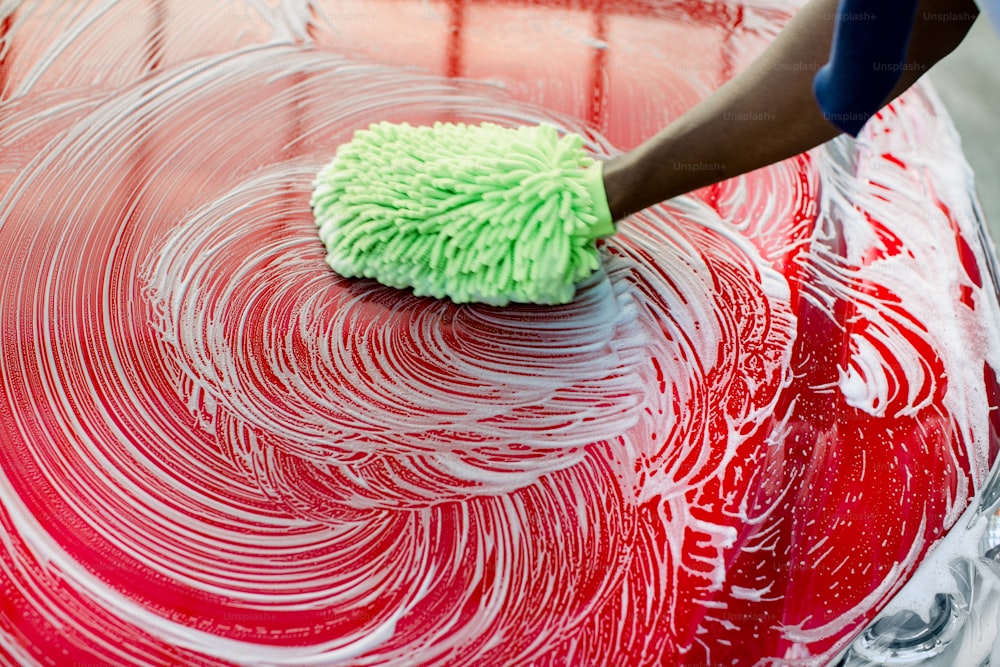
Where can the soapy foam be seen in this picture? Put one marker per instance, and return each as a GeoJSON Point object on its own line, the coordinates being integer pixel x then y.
{"type": "Point", "coordinates": [222, 452]}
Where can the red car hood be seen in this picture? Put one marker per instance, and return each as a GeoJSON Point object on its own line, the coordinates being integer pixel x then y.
{"type": "Point", "coordinates": [737, 443]}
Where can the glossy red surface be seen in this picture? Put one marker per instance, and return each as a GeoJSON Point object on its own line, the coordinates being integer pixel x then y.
{"type": "Point", "coordinates": [733, 447]}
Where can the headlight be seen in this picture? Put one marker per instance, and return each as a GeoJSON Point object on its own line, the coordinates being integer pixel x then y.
{"type": "Point", "coordinates": [906, 638]}
{"type": "Point", "coordinates": [947, 614]}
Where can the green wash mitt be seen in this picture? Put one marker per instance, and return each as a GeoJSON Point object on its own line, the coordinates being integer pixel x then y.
{"type": "Point", "coordinates": [474, 213]}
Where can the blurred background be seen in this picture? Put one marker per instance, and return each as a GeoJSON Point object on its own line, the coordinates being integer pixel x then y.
{"type": "Point", "coordinates": [969, 83]}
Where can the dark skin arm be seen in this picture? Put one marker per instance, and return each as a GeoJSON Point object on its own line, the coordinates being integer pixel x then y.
{"type": "Point", "coordinates": [776, 87]}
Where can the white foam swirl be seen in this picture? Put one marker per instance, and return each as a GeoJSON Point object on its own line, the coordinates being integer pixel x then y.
{"type": "Point", "coordinates": [217, 452]}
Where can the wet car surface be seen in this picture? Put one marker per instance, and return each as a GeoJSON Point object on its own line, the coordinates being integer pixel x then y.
{"type": "Point", "coordinates": [736, 446]}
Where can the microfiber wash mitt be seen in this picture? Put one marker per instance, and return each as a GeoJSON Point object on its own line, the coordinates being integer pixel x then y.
{"type": "Point", "coordinates": [470, 212]}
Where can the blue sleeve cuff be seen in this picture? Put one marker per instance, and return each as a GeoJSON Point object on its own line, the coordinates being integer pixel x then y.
{"type": "Point", "coordinates": [867, 59]}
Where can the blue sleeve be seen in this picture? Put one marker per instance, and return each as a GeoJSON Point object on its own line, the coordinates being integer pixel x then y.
{"type": "Point", "coordinates": [867, 59]}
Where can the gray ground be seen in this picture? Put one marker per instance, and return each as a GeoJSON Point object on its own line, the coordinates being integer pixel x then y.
{"type": "Point", "coordinates": [969, 83]}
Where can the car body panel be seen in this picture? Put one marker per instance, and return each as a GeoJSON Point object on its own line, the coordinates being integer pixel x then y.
{"type": "Point", "coordinates": [734, 447]}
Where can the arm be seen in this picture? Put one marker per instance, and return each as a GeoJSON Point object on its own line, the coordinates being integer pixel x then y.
{"type": "Point", "coordinates": [776, 87]}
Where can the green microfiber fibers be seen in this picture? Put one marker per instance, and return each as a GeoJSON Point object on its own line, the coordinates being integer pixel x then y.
{"type": "Point", "coordinates": [469, 212]}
